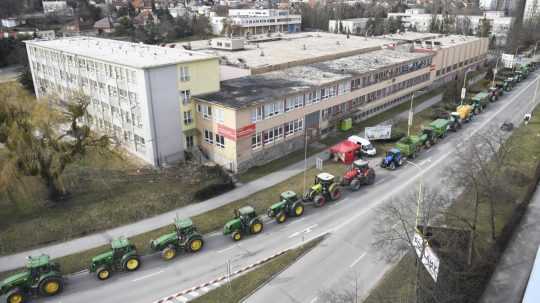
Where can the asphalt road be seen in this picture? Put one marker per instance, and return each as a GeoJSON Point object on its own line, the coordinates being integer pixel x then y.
{"type": "Point", "coordinates": [346, 251]}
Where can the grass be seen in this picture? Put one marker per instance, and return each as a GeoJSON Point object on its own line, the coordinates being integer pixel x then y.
{"type": "Point", "coordinates": [249, 282]}
{"type": "Point", "coordinates": [395, 285]}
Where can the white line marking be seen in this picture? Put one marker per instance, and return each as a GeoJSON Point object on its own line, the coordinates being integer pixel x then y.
{"type": "Point", "coordinates": [226, 249]}
{"type": "Point", "coordinates": [216, 233]}
{"type": "Point", "coordinates": [205, 289]}
{"type": "Point", "coordinates": [305, 231]}
{"type": "Point", "coordinates": [357, 260]}
{"type": "Point", "coordinates": [182, 299]}
{"type": "Point", "coordinates": [313, 300]}
{"type": "Point", "coordinates": [148, 276]}
{"type": "Point", "coordinates": [297, 221]}
{"type": "Point", "coordinates": [194, 294]}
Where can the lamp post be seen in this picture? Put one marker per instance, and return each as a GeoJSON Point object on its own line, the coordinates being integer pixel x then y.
{"type": "Point", "coordinates": [495, 72]}
{"type": "Point", "coordinates": [411, 113]}
{"type": "Point", "coordinates": [535, 46]}
{"type": "Point", "coordinates": [464, 88]}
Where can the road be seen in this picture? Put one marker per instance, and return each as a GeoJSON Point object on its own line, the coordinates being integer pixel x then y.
{"type": "Point", "coordinates": [345, 251]}
{"type": "Point", "coordinates": [10, 73]}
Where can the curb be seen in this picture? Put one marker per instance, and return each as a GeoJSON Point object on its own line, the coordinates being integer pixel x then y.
{"type": "Point", "coordinates": [246, 268]}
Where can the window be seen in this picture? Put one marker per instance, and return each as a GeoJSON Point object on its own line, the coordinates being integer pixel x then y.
{"type": "Point", "coordinates": [188, 118]}
{"type": "Point", "coordinates": [294, 102]}
{"type": "Point", "coordinates": [343, 88]}
{"type": "Point", "coordinates": [205, 110]}
{"type": "Point", "coordinates": [208, 136]}
{"type": "Point", "coordinates": [189, 142]}
{"type": "Point", "coordinates": [256, 140]}
{"type": "Point", "coordinates": [185, 95]}
{"type": "Point", "coordinates": [220, 117]}
{"type": "Point", "coordinates": [220, 141]}
{"type": "Point", "coordinates": [273, 134]}
{"type": "Point", "coordinates": [273, 109]}
{"type": "Point", "coordinates": [294, 126]}
{"type": "Point", "coordinates": [184, 74]}
{"type": "Point", "coordinates": [256, 114]}
{"type": "Point", "coordinates": [139, 140]}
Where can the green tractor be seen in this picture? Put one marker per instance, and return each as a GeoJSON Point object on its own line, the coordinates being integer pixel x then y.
{"type": "Point", "coordinates": [41, 277]}
{"type": "Point", "coordinates": [121, 257]}
{"type": "Point", "coordinates": [288, 206]}
{"type": "Point", "coordinates": [426, 137]}
{"type": "Point", "coordinates": [324, 189]}
{"type": "Point", "coordinates": [246, 221]}
{"type": "Point", "coordinates": [184, 237]}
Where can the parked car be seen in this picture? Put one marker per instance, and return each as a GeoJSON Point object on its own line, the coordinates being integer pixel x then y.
{"type": "Point", "coordinates": [366, 147]}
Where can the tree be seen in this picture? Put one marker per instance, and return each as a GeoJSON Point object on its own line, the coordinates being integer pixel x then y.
{"type": "Point", "coordinates": [484, 28]}
{"type": "Point", "coordinates": [42, 139]}
{"type": "Point", "coordinates": [200, 26]}
{"type": "Point", "coordinates": [10, 8]}
{"type": "Point", "coordinates": [124, 27]}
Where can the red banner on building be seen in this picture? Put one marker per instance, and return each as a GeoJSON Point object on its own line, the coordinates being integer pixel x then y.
{"type": "Point", "coordinates": [234, 134]}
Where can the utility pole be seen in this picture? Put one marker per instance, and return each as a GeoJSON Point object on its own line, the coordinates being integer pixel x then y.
{"type": "Point", "coordinates": [411, 115]}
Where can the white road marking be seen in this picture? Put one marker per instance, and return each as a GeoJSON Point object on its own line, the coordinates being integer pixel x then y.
{"type": "Point", "coordinates": [297, 221]}
{"type": "Point", "coordinates": [305, 231]}
{"type": "Point", "coordinates": [182, 299]}
{"type": "Point", "coordinates": [226, 249]}
{"type": "Point", "coordinates": [205, 289]}
{"type": "Point", "coordinates": [194, 294]}
{"type": "Point", "coordinates": [148, 276]}
{"type": "Point", "coordinates": [314, 300]}
{"type": "Point", "coordinates": [216, 233]}
{"type": "Point", "coordinates": [357, 260]}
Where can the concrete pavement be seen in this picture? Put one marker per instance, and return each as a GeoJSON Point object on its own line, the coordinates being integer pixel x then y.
{"type": "Point", "coordinates": [347, 251]}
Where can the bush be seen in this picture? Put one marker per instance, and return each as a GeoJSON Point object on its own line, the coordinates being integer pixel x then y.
{"type": "Point", "coordinates": [213, 190]}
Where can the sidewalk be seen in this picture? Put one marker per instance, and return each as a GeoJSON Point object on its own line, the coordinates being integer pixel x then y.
{"type": "Point", "coordinates": [510, 278]}
{"type": "Point", "coordinates": [91, 241]}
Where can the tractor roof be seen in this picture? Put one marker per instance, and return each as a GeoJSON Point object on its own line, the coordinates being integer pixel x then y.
{"type": "Point", "coordinates": [288, 194]}
{"type": "Point", "coordinates": [34, 262]}
{"type": "Point", "coordinates": [119, 243]}
{"type": "Point", "coordinates": [325, 176]}
{"type": "Point", "coordinates": [360, 163]}
{"type": "Point", "coordinates": [394, 150]}
{"type": "Point", "coordinates": [183, 223]}
{"type": "Point", "coordinates": [246, 210]}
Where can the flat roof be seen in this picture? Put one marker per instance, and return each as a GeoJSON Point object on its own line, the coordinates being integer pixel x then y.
{"type": "Point", "coordinates": [452, 40]}
{"type": "Point", "coordinates": [287, 50]}
{"type": "Point", "coordinates": [136, 55]}
{"type": "Point", "coordinates": [412, 36]}
{"type": "Point", "coordinates": [255, 89]}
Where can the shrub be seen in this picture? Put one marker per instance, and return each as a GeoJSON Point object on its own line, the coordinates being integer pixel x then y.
{"type": "Point", "coordinates": [213, 190]}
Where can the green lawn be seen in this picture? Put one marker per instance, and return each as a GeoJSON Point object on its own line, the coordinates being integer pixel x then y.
{"type": "Point", "coordinates": [247, 283]}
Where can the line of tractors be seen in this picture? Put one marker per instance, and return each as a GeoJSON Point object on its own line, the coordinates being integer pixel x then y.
{"type": "Point", "coordinates": [42, 276]}
{"type": "Point", "coordinates": [409, 146]}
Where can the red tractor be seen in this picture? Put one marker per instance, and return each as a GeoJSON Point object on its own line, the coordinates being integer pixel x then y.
{"type": "Point", "coordinates": [359, 174]}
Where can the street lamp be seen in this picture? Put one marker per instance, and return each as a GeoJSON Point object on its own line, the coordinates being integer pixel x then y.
{"type": "Point", "coordinates": [464, 89]}
{"type": "Point", "coordinates": [409, 123]}
{"type": "Point", "coordinates": [495, 72]}
{"type": "Point", "coordinates": [535, 46]}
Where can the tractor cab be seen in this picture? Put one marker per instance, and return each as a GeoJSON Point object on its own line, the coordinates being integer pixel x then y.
{"type": "Point", "coordinates": [324, 179]}
{"type": "Point", "coordinates": [37, 266]}
{"type": "Point", "coordinates": [392, 153]}
{"type": "Point", "coordinates": [361, 165]}
{"type": "Point", "coordinates": [121, 246]}
{"type": "Point", "coordinates": [288, 196]}
{"type": "Point", "coordinates": [184, 227]}
{"type": "Point", "coordinates": [245, 213]}
{"type": "Point", "coordinates": [455, 116]}
{"type": "Point", "coordinates": [427, 131]}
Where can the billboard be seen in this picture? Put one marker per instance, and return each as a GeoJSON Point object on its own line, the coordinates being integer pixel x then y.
{"type": "Point", "coordinates": [378, 132]}
{"type": "Point", "coordinates": [429, 258]}
{"type": "Point", "coordinates": [507, 60]}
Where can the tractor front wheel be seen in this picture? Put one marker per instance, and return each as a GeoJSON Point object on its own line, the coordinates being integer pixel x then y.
{"type": "Point", "coordinates": [355, 185]}
{"type": "Point", "coordinates": [281, 217]}
{"type": "Point", "coordinates": [236, 235]}
{"type": "Point", "coordinates": [319, 200]}
{"type": "Point", "coordinates": [168, 253]}
{"type": "Point", "coordinates": [392, 165]}
{"type": "Point", "coordinates": [194, 245]}
{"type": "Point", "coordinates": [298, 208]}
{"type": "Point", "coordinates": [255, 227]}
{"type": "Point", "coordinates": [132, 263]}
{"type": "Point", "coordinates": [103, 273]}
{"type": "Point", "coordinates": [50, 286]}
{"type": "Point", "coordinates": [371, 177]}
{"type": "Point", "coordinates": [16, 295]}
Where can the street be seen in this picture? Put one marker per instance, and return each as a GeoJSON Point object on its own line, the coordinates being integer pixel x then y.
{"type": "Point", "coordinates": [345, 253]}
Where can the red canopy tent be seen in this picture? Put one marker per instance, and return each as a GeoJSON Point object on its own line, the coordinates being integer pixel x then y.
{"type": "Point", "coordinates": [345, 151]}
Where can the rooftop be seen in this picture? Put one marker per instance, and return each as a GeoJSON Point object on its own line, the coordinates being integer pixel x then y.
{"type": "Point", "coordinates": [452, 40]}
{"type": "Point", "coordinates": [119, 243]}
{"type": "Point", "coordinates": [37, 261]}
{"type": "Point", "coordinates": [246, 91]}
{"type": "Point", "coordinates": [120, 52]}
{"type": "Point", "coordinates": [287, 50]}
{"type": "Point", "coordinates": [412, 36]}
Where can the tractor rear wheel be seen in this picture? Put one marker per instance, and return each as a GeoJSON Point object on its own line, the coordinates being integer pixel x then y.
{"type": "Point", "coordinates": [335, 192]}
{"type": "Point", "coordinates": [103, 273]}
{"type": "Point", "coordinates": [168, 253]}
{"type": "Point", "coordinates": [16, 295]}
{"type": "Point", "coordinates": [371, 177]}
{"type": "Point", "coordinates": [255, 226]}
{"type": "Point", "coordinates": [319, 200]}
{"type": "Point", "coordinates": [236, 235]}
{"type": "Point", "coordinates": [132, 263]}
{"type": "Point", "coordinates": [298, 209]}
{"type": "Point", "coordinates": [355, 185]}
{"type": "Point", "coordinates": [428, 144]}
{"type": "Point", "coordinates": [50, 286]}
{"type": "Point", "coordinates": [281, 217]}
{"type": "Point", "coordinates": [194, 245]}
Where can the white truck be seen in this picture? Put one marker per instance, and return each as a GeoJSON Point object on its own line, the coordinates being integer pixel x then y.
{"type": "Point", "coordinates": [366, 146]}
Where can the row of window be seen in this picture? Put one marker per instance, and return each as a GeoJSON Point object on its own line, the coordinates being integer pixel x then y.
{"type": "Point", "coordinates": [277, 133]}
{"type": "Point", "coordinates": [457, 65]}
{"type": "Point", "coordinates": [209, 138]}
{"type": "Point", "coordinates": [125, 136]}
{"type": "Point", "coordinates": [205, 111]}
{"type": "Point", "coordinates": [133, 117]}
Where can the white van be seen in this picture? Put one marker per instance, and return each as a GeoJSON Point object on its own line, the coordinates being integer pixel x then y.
{"type": "Point", "coordinates": [367, 147]}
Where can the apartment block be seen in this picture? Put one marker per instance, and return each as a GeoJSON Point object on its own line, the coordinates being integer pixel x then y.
{"type": "Point", "coordinates": [257, 21]}
{"type": "Point", "coordinates": [140, 94]}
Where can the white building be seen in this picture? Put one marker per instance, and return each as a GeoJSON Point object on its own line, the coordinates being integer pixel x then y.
{"type": "Point", "coordinates": [352, 26]}
{"type": "Point", "coordinates": [500, 25]}
{"type": "Point", "coordinates": [488, 5]}
{"type": "Point", "coordinates": [56, 7]}
{"type": "Point", "coordinates": [257, 21]}
{"type": "Point", "coordinates": [531, 10]}
{"type": "Point", "coordinates": [136, 90]}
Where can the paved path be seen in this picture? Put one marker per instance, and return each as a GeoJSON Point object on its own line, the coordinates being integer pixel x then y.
{"type": "Point", "coordinates": [510, 278]}
{"type": "Point", "coordinates": [91, 241]}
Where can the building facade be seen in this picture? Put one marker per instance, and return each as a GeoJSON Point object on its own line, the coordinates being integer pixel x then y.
{"type": "Point", "coordinates": [257, 21]}
{"type": "Point", "coordinates": [139, 94]}
{"type": "Point", "coordinates": [351, 26]}
{"type": "Point", "coordinates": [531, 10]}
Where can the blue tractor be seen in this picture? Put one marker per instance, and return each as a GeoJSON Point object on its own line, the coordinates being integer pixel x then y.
{"type": "Point", "coordinates": [393, 159]}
